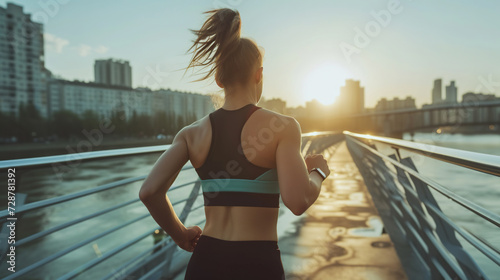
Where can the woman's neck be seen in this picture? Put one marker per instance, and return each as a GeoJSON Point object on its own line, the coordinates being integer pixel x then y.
{"type": "Point", "coordinates": [237, 98]}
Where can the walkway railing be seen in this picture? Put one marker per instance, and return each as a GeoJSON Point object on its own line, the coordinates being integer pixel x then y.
{"type": "Point", "coordinates": [155, 261]}
{"type": "Point", "coordinates": [429, 243]}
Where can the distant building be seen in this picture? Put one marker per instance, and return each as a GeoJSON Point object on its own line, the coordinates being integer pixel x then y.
{"type": "Point", "coordinates": [274, 104]}
{"type": "Point", "coordinates": [297, 112]}
{"type": "Point", "coordinates": [352, 98]}
{"type": "Point", "coordinates": [21, 61]}
{"type": "Point", "coordinates": [471, 97]}
{"type": "Point", "coordinates": [105, 100]}
{"type": "Point", "coordinates": [395, 104]}
{"type": "Point", "coordinates": [314, 107]}
{"type": "Point", "coordinates": [451, 93]}
{"type": "Point", "coordinates": [113, 72]}
{"type": "Point", "coordinates": [318, 110]}
{"type": "Point", "coordinates": [182, 103]}
{"type": "Point", "coordinates": [437, 95]}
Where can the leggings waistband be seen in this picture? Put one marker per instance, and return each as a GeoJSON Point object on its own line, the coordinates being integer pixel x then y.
{"type": "Point", "coordinates": [241, 244]}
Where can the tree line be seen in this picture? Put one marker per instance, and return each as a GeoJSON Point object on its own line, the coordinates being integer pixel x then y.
{"type": "Point", "coordinates": [30, 126]}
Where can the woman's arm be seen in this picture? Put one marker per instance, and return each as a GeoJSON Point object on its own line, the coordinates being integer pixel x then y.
{"type": "Point", "coordinates": [154, 189]}
{"type": "Point", "coordinates": [299, 190]}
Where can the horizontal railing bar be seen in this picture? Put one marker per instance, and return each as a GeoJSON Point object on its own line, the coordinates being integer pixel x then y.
{"type": "Point", "coordinates": [318, 133]}
{"type": "Point", "coordinates": [162, 264]}
{"type": "Point", "coordinates": [77, 271]}
{"type": "Point", "coordinates": [155, 269]}
{"type": "Point", "coordinates": [476, 209]}
{"type": "Point", "coordinates": [65, 225]}
{"type": "Point", "coordinates": [159, 266]}
{"type": "Point", "coordinates": [483, 240]}
{"type": "Point", "coordinates": [165, 241]}
{"type": "Point", "coordinates": [71, 196]}
{"type": "Point", "coordinates": [111, 253]}
{"type": "Point", "coordinates": [70, 223]}
{"type": "Point", "coordinates": [47, 160]}
{"type": "Point", "coordinates": [56, 200]}
{"type": "Point", "coordinates": [72, 248]}
{"type": "Point", "coordinates": [477, 161]}
{"type": "Point", "coordinates": [482, 247]}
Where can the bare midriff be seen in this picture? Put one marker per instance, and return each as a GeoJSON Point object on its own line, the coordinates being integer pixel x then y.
{"type": "Point", "coordinates": [241, 223]}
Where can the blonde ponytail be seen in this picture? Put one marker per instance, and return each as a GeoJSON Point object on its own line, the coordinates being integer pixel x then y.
{"type": "Point", "coordinates": [219, 47]}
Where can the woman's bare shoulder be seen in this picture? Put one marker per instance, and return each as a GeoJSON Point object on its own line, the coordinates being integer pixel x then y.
{"type": "Point", "coordinates": [196, 128]}
{"type": "Point", "coordinates": [200, 123]}
{"type": "Point", "coordinates": [276, 118]}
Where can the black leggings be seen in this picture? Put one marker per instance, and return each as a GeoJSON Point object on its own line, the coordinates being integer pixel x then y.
{"type": "Point", "coordinates": [215, 258]}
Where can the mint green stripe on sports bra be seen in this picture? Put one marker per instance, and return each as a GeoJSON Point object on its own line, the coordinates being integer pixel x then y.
{"type": "Point", "coordinates": [267, 182]}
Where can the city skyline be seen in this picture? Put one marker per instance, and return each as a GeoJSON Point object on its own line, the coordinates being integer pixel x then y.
{"type": "Point", "coordinates": [71, 47]}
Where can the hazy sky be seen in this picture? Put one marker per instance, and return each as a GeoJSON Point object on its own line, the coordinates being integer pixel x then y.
{"type": "Point", "coordinates": [311, 47]}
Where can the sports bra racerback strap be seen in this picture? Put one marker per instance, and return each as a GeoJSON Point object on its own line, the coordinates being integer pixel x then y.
{"type": "Point", "coordinates": [228, 178]}
{"type": "Point", "coordinates": [226, 151]}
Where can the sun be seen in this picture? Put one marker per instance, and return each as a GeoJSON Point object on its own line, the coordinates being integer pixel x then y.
{"type": "Point", "coordinates": [324, 82]}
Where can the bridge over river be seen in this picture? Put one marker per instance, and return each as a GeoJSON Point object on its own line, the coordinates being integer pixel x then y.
{"type": "Point", "coordinates": [473, 115]}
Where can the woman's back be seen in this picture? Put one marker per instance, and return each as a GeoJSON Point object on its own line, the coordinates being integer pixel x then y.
{"type": "Point", "coordinates": [231, 218]}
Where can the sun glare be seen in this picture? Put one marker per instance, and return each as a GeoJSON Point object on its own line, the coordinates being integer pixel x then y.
{"type": "Point", "coordinates": [324, 82]}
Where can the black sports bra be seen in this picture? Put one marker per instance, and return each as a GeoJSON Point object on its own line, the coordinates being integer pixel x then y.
{"type": "Point", "coordinates": [227, 177]}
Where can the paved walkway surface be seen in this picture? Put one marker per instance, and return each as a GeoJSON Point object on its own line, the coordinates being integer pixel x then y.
{"type": "Point", "coordinates": [341, 235]}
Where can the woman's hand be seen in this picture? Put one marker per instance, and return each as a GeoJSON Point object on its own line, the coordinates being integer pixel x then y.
{"type": "Point", "coordinates": [317, 161]}
{"type": "Point", "coordinates": [190, 238]}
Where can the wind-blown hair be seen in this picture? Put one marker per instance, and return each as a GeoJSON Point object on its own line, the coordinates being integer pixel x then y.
{"type": "Point", "coordinates": [219, 47]}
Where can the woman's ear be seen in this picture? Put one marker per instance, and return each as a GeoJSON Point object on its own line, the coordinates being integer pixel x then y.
{"type": "Point", "coordinates": [258, 75]}
{"type": "Point", "coordinates": [219, 83]}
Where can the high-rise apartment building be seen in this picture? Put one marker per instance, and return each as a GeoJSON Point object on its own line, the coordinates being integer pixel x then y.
{"type": "Point", "coordinates": [437, 92]}
{"type": "Point", "coordinates": [451, 93]}
{"type": "Point", "coordinates": [352, 98]}
{"type": "Point", "coordinates": [113, 72]}
{"type": "Point", "coordinates": [21, 61]}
